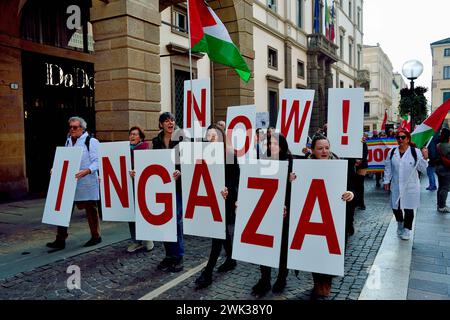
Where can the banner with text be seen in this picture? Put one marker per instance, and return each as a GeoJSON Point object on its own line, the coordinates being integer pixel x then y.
{"type": "Point", "coordinates": [317, 217]}
{"type": "Point", "coordinates": [378, 150]}
{"type": "Point", "coordinates": [116, 184]}
{"type": "Point", "coordinates": [240, 133]}
{"type": "Point", "coordinates": [155, 199]}
{"type": "Point", "coordinates": [62, 187]}
{"type": "Point", "coordinates": [259, 214]}
{"type": "Point", "coordinates": [197, 107]}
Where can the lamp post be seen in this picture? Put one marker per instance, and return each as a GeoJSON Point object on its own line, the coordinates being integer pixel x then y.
{"type": "Point", "coordinates": [412, 69]}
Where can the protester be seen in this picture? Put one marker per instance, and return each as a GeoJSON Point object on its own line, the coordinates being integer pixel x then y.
{"type": "Point", "coordinates": [402, 179]}
{"type": "Point", "coordinates": [443, 170]}
{"type": "Point", "coordinates": [432, 159]}
{"type": "Point", "coordinates": [377, 174]}
{"type": "Point", "coordinates": [137, 142]}
{"type": "Point", "coordinates": [361, 170]}
{"type": "Point", "coordinates": [278, 150]}
{"type": "Point", "coordinates": [87, 191]}
{"type": "Point", "coordinates": [215, 134]}
{"type": "Point", "coordinates": [320, 148]}
{"type": "Point", "coordinates": [173, 261]}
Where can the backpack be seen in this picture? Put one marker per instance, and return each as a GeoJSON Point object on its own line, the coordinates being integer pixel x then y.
{"type": "Point", "coordinates": [413, 152]}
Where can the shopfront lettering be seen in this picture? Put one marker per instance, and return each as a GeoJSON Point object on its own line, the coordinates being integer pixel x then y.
{"type": "Point", "coordinates": [58, 77]}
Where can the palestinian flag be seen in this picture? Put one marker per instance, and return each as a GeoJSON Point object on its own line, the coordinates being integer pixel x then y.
{"type": "Point", "coordinates": [430, 126]}
{"type": "Point", "coordinates": [208, 34]}
{"type": "Point", "coordinates": [406, 123]}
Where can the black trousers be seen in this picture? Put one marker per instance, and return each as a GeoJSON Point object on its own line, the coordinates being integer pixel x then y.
{"type": "Point", "coordinates": [216, 248]}
{"type": "Point", "coordinates": [407, 219]}
{"type": "Point", "coordinates": [359, 196]}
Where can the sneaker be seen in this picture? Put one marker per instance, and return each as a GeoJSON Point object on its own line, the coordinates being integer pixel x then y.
{"type": "Point", "coordinates": [165, 264]}
{"type": "Point", "coordinates": [57, 244]}
{"type": "Point", "coordinates": [135, 246]}
{"type": "Point", "coordinates": [149, 245]}
{"type": "Point", "coordinates": [261, 288]}
{"type": "Point", "coordinates": [93, 242]}
{"type": "Point", "coordinates": [204, 280]}
{"type": "Point", "coordinates": [176, 266]}
{"type": "Point", "coordinates": [406, 234]}
{"type": "Point", "coordinates": [444, 209]}
{"type": "Point", "coordinates": [228, 265]}
{"type": "Point", "coordinates": [279, 285]}
{"type": "Point", "coordinates": [399, 228]}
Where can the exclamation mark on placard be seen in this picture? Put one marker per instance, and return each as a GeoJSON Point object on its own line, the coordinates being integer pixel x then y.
{"type": "Point", "coordinates": [345, 114]}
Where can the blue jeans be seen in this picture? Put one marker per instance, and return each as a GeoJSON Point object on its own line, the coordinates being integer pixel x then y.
{"type": "Point", "coordinates": [431, 177]}
{"type": "Point", "coordinates": [176, 249]}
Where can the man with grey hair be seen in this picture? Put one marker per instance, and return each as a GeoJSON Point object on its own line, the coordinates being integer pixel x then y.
{"type": "Point", "coordinates": [87, 191]}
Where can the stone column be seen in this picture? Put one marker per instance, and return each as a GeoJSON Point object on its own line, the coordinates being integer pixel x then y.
{"type": "Point", "coordinates": [288, 64]}
{"type": "Point", "coordinates": [127, 66]}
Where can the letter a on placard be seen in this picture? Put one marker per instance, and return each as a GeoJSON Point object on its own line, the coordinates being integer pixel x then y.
{"type": "Point", "coordinates": [318, 192]}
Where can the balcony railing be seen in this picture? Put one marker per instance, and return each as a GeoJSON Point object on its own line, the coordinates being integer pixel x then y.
{"type": "Point", "coordinates": [319, 43]}
{"type": "Point", "coordinates": [363, 79]}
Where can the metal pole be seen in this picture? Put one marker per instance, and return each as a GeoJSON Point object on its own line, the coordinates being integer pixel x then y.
{"type": "Point", "coordinates": [412, 104]}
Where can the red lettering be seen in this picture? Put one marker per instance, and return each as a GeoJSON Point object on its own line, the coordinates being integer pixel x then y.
{"type": "Point", "coordinates": [248, 130]}
{"type": "Point", "coordinates": [109, 174]}
{"type": "Point", "coordinates": [294, 112]}
{"type": "Point", "coordinates": [61, 185]}
{"type": "Point", "coordinates": [164, 198]}
{"type": "Point", "coordinates": [201, 172]}
{"type": "Point", "coordinates": [200, 113]}
{"type": "Point", "coordinates": [386, 152]}
{"type": "Point", "coordinates": [378, 155]}
{"type": "Point", "coordinates": [369, 155]}
{"type": "Point", "coordinates": [317, 191]}
{"type": "Point", "coordinates": [250, 235]}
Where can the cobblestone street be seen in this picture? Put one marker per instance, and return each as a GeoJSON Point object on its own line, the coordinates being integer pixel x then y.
{"type": "Point", "coordinates": [112, 273]}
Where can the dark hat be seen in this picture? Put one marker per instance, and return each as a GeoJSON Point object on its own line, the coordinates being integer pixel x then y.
{"type": "Point", "coordinates": [164, 116]}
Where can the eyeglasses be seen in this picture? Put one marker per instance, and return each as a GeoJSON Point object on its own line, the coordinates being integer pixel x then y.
{"type": "Point", "coordinates": [400, 137]}
{"type": "Point", "coordinates": [74, 127]}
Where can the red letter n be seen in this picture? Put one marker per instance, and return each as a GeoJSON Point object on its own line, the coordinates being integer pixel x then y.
{"type": "Point", "coordinates": [108, 173]}
{"type": "Point", "coordinates": [200, 113]}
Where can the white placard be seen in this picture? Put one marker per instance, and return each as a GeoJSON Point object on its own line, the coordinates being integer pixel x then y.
{"type": "Point", "coordinates": [116, 184]}
{"type": "Point", "coordinates": [203, 179]}
{"type": "Point", "coordinates": [61, 190]}
{"type": "Point", "coordinates": [197, 113]}
{"type": "Point", "coordinates": [240, 132]}
{"type": "Point", "coordinates": [317, 217]}
{"type": "Point", "coordinates": [294, 117]}
{"type": "Point", "coordinates": [262, 120]}
{"type": "Point", "coordinates": [259, 215]}
{"type": "Point", "coordinates": [345, 121]}
{"type": "Point", "coordinates": [155, 199]}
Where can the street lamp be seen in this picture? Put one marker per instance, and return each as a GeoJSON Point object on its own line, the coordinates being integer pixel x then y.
{"type": "Point", "coordinates": [412, 69]}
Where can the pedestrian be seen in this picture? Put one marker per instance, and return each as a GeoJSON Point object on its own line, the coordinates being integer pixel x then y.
{"type": "Point", "coordinates": [87, 190]}
{"type": "Point", "coordinates": [402, 179]}
{"type": "Point", "coordinates": [377, 174]}
{"type": "Point", "coordinates": [443, 170]}
{"type": "Point", "coordinates": [320, 148]}
{"type": "Point", "coordinates": [432, 158]}
{"type": "Point", "coordinates": [215, 134]}
{"type": "Point", "coordinates": [278, 150]}
{"type": "Point", "coordinates": [137, 142]}
{"type": "Point", "coordinates": [173, 260]}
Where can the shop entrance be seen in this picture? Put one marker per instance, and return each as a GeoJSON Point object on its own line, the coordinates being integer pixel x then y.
{"type": "Point", "coordinates": [54, 90]}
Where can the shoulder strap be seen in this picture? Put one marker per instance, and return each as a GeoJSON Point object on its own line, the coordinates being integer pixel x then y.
{"type": "Point", "coordinates": [392, 153]}
{"type": "Point", "coordinates": [87, 142]}
{"type": "Point", "coordinates": [414, 154]}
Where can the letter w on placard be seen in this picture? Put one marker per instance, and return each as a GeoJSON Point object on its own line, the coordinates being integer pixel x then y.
{"type": "Point", "coordinates": [108, 173]}
{"type": "Point", "coordinates": [294, 114]}
{"type": "Point", "coordinates": [250, 235]}
{"type": "Point", "coordinates": [200, 113]}
{"type": "Point", "coordinates": [317, 191]}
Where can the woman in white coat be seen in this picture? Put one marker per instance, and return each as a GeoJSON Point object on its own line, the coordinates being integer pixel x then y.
{"type": "Point", "coordinates": [402, 179]}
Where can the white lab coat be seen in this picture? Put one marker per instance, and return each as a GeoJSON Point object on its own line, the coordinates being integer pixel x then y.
{"type": "Point", "coordinates": [404, 178]}
{"type": "Point", "coordinates": [88, 186]}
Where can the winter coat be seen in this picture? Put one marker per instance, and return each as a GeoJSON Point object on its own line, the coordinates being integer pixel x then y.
{"type": "Point", "coordinates": [404, 178]}
{"type": "Point", "coordinates": [88, 186]}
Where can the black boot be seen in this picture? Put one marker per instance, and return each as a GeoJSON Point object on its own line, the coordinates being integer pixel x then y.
{"type": "Point", "coordinates": [279, 285]}
{"type": "Point", "coordinates": [228, 265]}
{"type": "Point", "coordinates": [204, 280]}
{"type": "Point", "coordinates": [262, 287]}
{"type": "Point", "coordinates": [57, 244]}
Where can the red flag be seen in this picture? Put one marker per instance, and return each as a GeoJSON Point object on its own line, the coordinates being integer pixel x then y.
{"type": "Point", "coordinates": [383, 124]}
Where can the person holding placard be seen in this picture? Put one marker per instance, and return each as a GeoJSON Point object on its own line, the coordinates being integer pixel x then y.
{"type": "Point", "coordinates": [173, 261]}
{"type": "Point", "coordinates": [402, 179]}
{"type": "Point", "coordinates": [137, 142]}
{"type": "Point", "coordinates": [87, 192]}
{"type": "Point", "coordinates": [278, 149]}
{"type": "Point", "coordinates": [320, 150]}
{"type": "Point", "coordinates": [215, 133]}
{"type": "Point", "coordinates": [443, 170]}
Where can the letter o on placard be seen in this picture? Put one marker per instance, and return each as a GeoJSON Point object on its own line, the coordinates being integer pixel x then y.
{"type": "Point", "coordinates": [378, 155]}
{"type": "Point", "coordinates": [248, 128]}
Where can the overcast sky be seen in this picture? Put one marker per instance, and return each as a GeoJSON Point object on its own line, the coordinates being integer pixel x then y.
{"type": "Point", "coordinates": [405, 28]}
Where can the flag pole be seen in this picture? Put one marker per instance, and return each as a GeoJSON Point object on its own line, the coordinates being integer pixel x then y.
{"type": "Point", "coordinates": [190, 57]}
